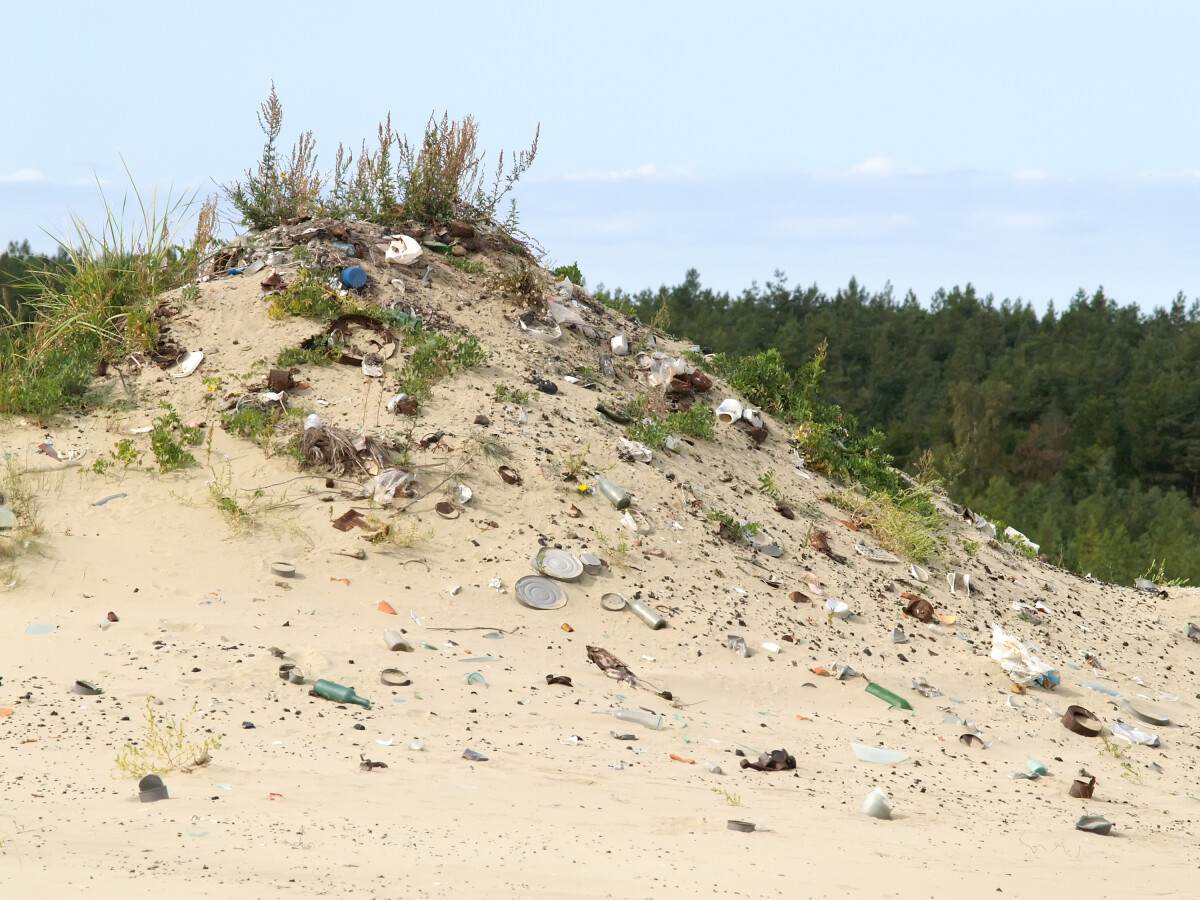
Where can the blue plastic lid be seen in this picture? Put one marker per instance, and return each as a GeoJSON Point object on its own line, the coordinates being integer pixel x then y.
{"type": "Point", "coordinates": [354, 277]}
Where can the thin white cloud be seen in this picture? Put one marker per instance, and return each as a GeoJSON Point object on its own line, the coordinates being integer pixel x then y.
{"type": "Point", "coordinates": [876, 166]}
{"type": "Point", "coordinates": [646, 170]}
{"type": "Point", "coordinates": [1029, 175]}
{"type": "Point", "coordinates": [23, 175]}
{"type": "Point", "coordinates": [1012, 220]}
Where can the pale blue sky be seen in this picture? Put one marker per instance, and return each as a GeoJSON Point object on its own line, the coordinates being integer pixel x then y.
{"type": "Point", "coordinates": [1029, 148]}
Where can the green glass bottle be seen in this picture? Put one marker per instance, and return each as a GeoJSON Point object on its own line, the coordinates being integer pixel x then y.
{"type": "Point", "coordinates": [339, 693]}
{"type": "Point", "coordinates": [613, 491]}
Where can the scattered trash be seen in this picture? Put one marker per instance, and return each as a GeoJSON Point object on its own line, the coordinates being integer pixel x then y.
{"type": "Point", "coordinates": [564, 680]}
{"type": "Point", "coordinates": [876, 805]}
{"type": "Point", "coordinates": [386, 608]}
{"type": "Point", "coordinates": [291, 673]}
{"type": "Point", "coordinates": [739, 825]}
{"type": "Point", "coordinates": [537, 592]}
{"type": "Point", "coordinates": [925, 689]}
{"type": "Point", "coordinates": [1036, 767]}
{"type": "Point", "coordinates": [1147, 715]}
{"type": "Point", "coordinates": [394, 640]}
{"type": "Point", "coordinates": [1020, 664]}
{"type": "Point", "coordinates": [338, 693]}
{"type": "Point", "coordinates": [866, 753]}
{"type": "Point", "coordinates": [86, 688]}
{"type": "Point", "coordinates": [876, 554]}
{"type": "Point", "coordinates": [474, 756]}
{"type": "Point", "coordinates": [729, 411]}
{"type": "Point", "coordinates": [283, 569]}
{"type": "Point", "coordinates": [1133, 734]}
{"type": "Point", "coordinates": [775, 761]}
{"type": "Point", "coordinates": [617, 670]}
{"type": "Point", "coordinates": [887, 696]}
{"type": "Point", "coordinates": [918, 573]}
{"type": "Point", "coordinates": [836, 609]}
{"type": "Point", "coordinates": [189, 363]}
{"type": "Point", "coordinates": [476, 678]}
{"type": "Point", "coordinates": [1082, 790]}
{"type": "Point", "coordinates": [403, 250]}
{"type": "Point", "coordinates": [969, 739]}
{"type": "Point", "coordinates": [737, 644]}
{"type": "Point", "coordinates": [1081, 721]}
{"type": "Point", "coordinates": [619, 345]}
{"type": "Point", "coordinates": [615, 494]}
{"type": "Point", "coordinates": [1094, 824]}
{"type": "Point", "coordinates": [354, 277]}
{"type": "Point", "coordinates": [637, 716]}
{"type": "Point", "coordinates": [40, 628]}
{"type": "Point", "coordinates": [919, 608]}
{"type": "Point", "coordinates": [508, 476]}
{"type": "Point", "coordinates": [557, 564]}
{"type": "Point", "coordinates": [714, 768]}
{"type": "Point", "coordinates": [97, 503]}
{"type": "Point", "coordinates": [683, 759]}
{"type": "Point", "coordinates": [646, 613]}
{"type": "Point", "coordinates": [898, 636]}
{"type": "Point", "coordinates": [151, 788]}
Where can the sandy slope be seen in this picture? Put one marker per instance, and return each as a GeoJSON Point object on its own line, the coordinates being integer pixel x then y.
{"type": "Point", "coordinates": [284, 809]}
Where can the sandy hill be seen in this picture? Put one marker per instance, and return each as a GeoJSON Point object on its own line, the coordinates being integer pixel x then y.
{"type": "Point", "coordinates": [561, 806]}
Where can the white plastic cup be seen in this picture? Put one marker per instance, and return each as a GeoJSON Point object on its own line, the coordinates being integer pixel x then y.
{"type": "Point", "coordinates": [396, 641]}
{"type": "Point", "coordinates": [729, 411]}
{"type": "Point", "coordinates": [876, 805]}
{"type": "Point", "coordinates": [753, 416]}
{"type": "Point", "coordinates": [620, 345]}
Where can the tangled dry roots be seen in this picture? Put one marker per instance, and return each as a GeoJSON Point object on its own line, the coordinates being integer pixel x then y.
{"type": "Point", "coordinates": [339, 452]}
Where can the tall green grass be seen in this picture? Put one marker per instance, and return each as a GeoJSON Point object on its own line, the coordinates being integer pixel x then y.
{"type": "Point", "coordinates": [98, 307]}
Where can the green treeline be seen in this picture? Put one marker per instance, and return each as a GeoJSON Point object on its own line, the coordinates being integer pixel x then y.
{"type": "Point", "coordinates": [1081, 429]}
{"type": "Point", "coordinates": [19, 267]}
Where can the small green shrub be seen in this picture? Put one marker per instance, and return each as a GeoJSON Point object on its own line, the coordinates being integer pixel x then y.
{"type": "Point", "coordinates": [516, 397]}
{"type": "Point", "coordinates": [522, 283]}
{"type": "Point", "coordinates": [165, 746]}
{"type": "Point", "coordinates": [695, 422]}
{"type": "Point", "coordinates": [572, 272]}
{"type": "Point", "coordinates": [261, 426]}
{"type": "Point", "coordinates": [308, 296]}
{"type": "Point", "coordinates": [278, 190]}
{"type": "Point", "coordinates": [323, 353]}
{"type": "Point", "coordinates": [169, 438]}
{"type": "Point", "coordinates": [470, 266]}
{"type": "Point", "coordinates": [434, 356]}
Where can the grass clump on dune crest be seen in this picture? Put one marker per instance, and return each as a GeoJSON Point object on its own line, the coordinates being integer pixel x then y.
{"type": "Point", "coordinates": [96, 307]}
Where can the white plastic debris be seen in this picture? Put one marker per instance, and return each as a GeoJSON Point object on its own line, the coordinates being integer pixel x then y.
{"type": "Point", "coordinates": [729, 411]}
{"type": "Point", "coordinates": [876, 805]}
{"type": "Point", "coordinates": [548, 336]}
{"type": "Point", "coordinates": [403, 250]}
{"type": "Point", "coordinates": [636, 450]}
{"type": "Point", "coordinates": [312, 420]}
{"type": "Point", "coordinates": [1020, 540]}
{"type": "Point", "coordinates": [1017, 659]}
{"type": "Point", "coordinates": [188, 364]}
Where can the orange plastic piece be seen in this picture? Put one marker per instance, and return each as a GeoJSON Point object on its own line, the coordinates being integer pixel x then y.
{"type": "Point", "coordinates": [683, 759]}
{"type": "Point", "coordinates": [804, 718]}
{"type": "Point", "coordinates": [566, 627]}
{"type": "Point", "coordinates": [849, 525]}
{"type": "Point", "coordinates": [385, 607]}
{"type": "Point", "coordinates": [345, 581]}
{"type": "Point", "coordinates": [5, 711]}
{"type": "Point", "coordinates": [274, 796]}
{"type": "Point", "coordinates": [820, 670]}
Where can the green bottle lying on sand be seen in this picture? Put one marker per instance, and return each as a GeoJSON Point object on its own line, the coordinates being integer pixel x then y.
{"type": "Point", "coordinates": [884, 694]}
{"type": "Point", "coordinates": [613, 491]}
{"type": "Point", "coordinates": [339, 693]}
